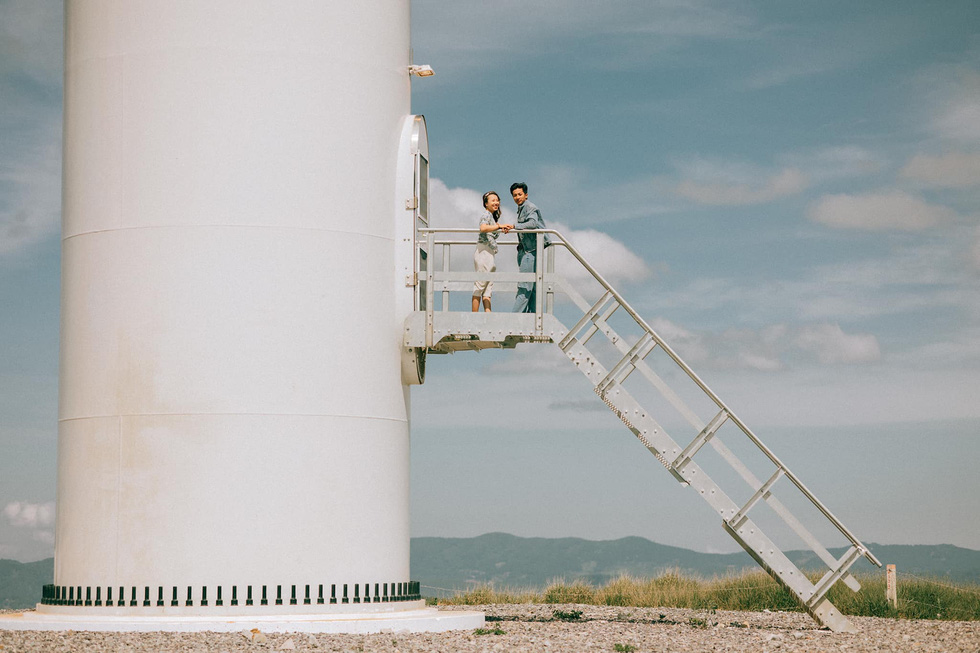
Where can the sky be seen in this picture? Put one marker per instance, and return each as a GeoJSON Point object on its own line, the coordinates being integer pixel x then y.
{"type": "Point", "coordinates": [789, 193]}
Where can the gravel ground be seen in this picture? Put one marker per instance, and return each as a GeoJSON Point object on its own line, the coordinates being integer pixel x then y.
{"type": "Point", "coordinates": [534, 628]}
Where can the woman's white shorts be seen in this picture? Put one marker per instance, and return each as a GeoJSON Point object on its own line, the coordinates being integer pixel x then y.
{"type": "Point", "coordinates": [483, 261]}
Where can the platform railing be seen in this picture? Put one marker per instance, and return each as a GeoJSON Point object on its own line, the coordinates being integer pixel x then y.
{"type": "Point", "coordinates": [446, 280]}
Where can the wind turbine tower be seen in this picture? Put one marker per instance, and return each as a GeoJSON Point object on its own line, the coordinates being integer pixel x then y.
{"type": "Point", "coordinates": [240, 179]}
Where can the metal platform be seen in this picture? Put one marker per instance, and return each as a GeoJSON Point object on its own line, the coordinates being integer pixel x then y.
{"type": "Point", "coordinates": [459, 331]}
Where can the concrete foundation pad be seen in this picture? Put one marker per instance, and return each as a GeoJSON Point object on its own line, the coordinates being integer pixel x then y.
{"type": "Point", "coordinates": [421, 620]}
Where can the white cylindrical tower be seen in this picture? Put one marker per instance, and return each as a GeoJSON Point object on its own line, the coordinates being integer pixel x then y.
{"type": "Point", "coordinates": [233, 431]}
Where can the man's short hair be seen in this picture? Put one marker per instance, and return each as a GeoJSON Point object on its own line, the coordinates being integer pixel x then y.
{"type": "Point", "coordinates": [516, 185]}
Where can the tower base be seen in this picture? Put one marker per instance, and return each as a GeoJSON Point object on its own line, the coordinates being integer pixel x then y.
{"type": "Point", "coordinates": [415, 621]}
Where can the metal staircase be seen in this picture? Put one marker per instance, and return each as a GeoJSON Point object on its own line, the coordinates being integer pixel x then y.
{"type": "Point", "coordinates": [608, 362]}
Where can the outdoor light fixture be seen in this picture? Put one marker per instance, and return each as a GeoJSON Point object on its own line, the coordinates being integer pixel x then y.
{"type": "Point", "coordinates": [421, 71]}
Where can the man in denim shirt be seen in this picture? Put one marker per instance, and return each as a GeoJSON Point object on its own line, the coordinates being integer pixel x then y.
{"type": "Point", "coordinates": [528, 217]}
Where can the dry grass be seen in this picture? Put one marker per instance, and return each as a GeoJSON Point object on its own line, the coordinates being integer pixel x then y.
{"type": "Point", "coordinates": [755, 591]}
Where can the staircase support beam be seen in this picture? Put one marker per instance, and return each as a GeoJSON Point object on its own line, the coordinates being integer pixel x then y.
{"type": "Point", "coordinates": [700, 440]}
{"type": "Point", "coordinates": [781, 569]}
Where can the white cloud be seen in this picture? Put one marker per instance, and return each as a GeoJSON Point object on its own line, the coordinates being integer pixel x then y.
{"type": "Point", "coordinates": [30, 122]}
{"type": "Point", "coordinates": [809, 48]}
{"type": "Point", "coordinates": [462, 207]}
{"type": "Point", "coordinates": [952, 170]}
{"type": "Point", "coordinates": [890, 210]}
{"type": "Point", "coordinates": [464, 33]}
{"type": "Point", "coordinates": [31, 181]}
{"type": "Point", "coordinates": [31, 523]}
{"type": "Point", "coordinates": [831, 345]}
{"type": "Point", "coordinates": [44, 536]}
{"type": "Point", "coordinates": [585, 405]}
{"type": "Point", "coordinates": [719, 184]}
{"type": "Point", "coordinates": [532, 359]}
{"type": "Point", "coordinates": [458, 207]}
{"type": "Point", "coordinates": [610, 258]}
{"type": "Point", "coordinates": [961, 122]}
{"type": "Point", "coordinates": [837, 162]}
{"type": "Point", "coordinates": [975, 250]}
{"type": "Point", "coordinates": [24, 24]}
{"type": "Point", "coordinates": [959, 118]}
{"type": "Point", "coordinates": [950, 351]}
{"type": "Point", "coordinates": [759, 350]}
{"type": "Point", "coordinates": [732, 349]}
{"type": "Point", "coordinates": [679, 18]}
{"type": "Point", "coordinates": [563, 185]}
{"type": "Point", "coordinates": [947, 95]}
{"type": "Point", "coordinates": [924, 278]}
{"type": "Point", "coordinates": [771, 348]}
{"type": "Point", "coordinates": [29, 515]}
{"type": "Point", "coordinates": [689, 345]}
{"type": "Point", "coordinates": [916, 279]}
{"type": "Point", "coordinates": [759, 362]}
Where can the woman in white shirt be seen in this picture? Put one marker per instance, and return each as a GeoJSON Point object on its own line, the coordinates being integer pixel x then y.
{"type": "Point", "coordinates": [486, 248]}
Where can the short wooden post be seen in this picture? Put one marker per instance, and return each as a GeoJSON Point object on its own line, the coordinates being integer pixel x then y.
{"type": "Point", "coordinates": [891, 586]}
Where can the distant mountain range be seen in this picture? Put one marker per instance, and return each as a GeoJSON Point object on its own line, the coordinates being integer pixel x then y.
{"type": "Point", "coordinates": [21, 582]}
{"type": "Point", "coordinates": [445, 565]}
{"type": "Point", "coordinates": [453, 564]}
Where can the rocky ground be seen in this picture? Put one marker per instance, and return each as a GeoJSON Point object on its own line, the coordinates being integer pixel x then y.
{"type": "Point", "coordinates": [553, 628]}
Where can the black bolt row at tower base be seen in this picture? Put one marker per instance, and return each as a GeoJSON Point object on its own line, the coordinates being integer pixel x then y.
{"type": "Point", "coordinates": [311, 594]}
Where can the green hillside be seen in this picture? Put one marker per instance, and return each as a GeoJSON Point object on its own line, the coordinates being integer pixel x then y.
{"type": "Point", "coordinates": [21, 582]}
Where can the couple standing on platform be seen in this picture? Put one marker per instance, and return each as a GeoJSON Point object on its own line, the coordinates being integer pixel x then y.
{"type": "Point", "coordinates": [528, 217]}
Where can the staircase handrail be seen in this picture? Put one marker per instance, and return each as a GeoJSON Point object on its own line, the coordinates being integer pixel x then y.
{"type": "Point", "coordinates": [563, 242]}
